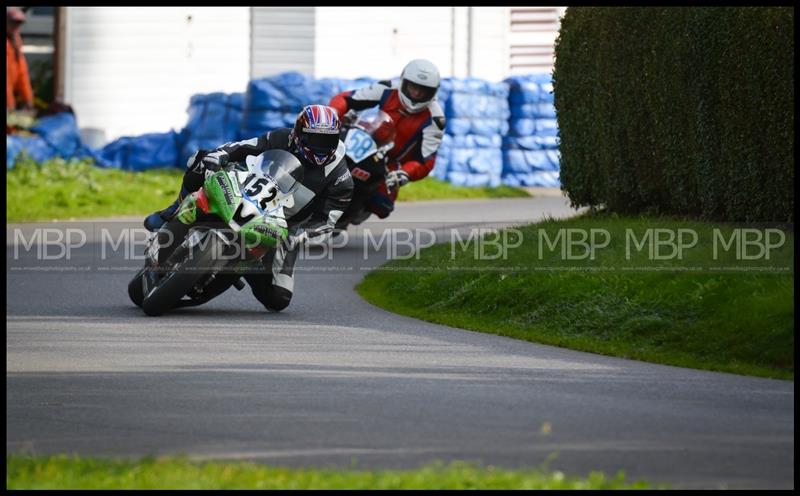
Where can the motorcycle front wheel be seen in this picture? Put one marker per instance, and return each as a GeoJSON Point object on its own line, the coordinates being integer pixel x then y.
{"type": "Point", "coordinates": [195, 264]}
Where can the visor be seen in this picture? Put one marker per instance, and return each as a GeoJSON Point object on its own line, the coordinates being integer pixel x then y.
{"type": "Point", "coordinates": [426, 91]}
{"type": "Point", "coordinates": [320, 143]}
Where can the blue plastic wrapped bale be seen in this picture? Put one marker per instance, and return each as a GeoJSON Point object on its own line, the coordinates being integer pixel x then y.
{"type": "Point", "coordinates": [441, 164]}
{"type": "Point", "coordinates": [478, 86]}
{"type": "Point", "coordinates": [34, 146]}
{"type": "Point", "coordinates": [61, 132]}
{"type": "Point", "coordinates": [289, 118]}
{"type": "Point", "coordinates": [488, 127]}
{"type": "Point", "coordinates": [325, 89]}
{"type": "Point", "coordinates": [541, 179]}
{"type": "Point", "coordinates": [530, 143]}
{"type": "Point", "coordinates": [545, 179]}
{"type": "Point", "coordinates": [212, 117]}
{"type": "Point", "coordinates": [215, 115]}
{"type": "Point", "coordinates": [361, 82]}
{"type": "Point", "coordinates": [476, 160]}
{"type": "Point", "coordinates": [194, 144]}
{"type": "Point", "coordinates": [447, 142]}
{"type": "Point", "coordinates": [264, 121]}
{"type": "Point", "coordinates": [458, 127]}
{"type": "Point", "coordinates": [533, 111]}
{"type": "Point", "coordinates": [246, 134]}
{"type": "Point", "coordinates": [534, 127]}
{"type": "Point", "coordinates": [90, 153]}
{"type": "Point", "coordinates": [286, 91]}
{"type": "Point", "coordinates": [262, 94]}
{"type": "Point", "coordinates": [531, 160]}
{"type": "Point", "coordinates": [477, 106]}
{"type": "Point", "coordinates": [473, 180]}
{"type": "Point", "coordinates": [477, 141]}
{"type": "Point", "coordinates": [511, 179]}
{"type": "Point", "coordinates": [148, 151]}
{"type": "Point", "coordinates": [530, 89]}
{"type": "Point", "coordinates": [443, 95]}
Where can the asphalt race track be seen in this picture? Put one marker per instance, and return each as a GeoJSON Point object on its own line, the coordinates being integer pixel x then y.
{"type": "Point", "coordinates": [335, 381]}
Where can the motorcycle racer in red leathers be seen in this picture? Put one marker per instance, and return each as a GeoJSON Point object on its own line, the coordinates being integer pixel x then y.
{"type": "Point", "coordinates": [419, 121]}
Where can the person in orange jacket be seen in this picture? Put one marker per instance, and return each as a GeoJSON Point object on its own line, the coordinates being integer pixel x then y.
{"type": "Point", "coordinates": [19, 93]}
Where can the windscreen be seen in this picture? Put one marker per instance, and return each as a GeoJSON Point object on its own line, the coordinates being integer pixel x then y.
{"type": "Point", "coordinates": [283, 167]}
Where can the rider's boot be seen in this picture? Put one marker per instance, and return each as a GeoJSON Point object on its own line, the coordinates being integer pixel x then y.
{"type": "Point", "coordinates": [192, 181]}
{"type": "Point", "coordinates": [154, 221]}
{"type": "Point", "coordinates": [360, 217]}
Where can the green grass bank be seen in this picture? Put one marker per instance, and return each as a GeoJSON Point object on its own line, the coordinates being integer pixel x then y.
{"type": "Point", "coordinates": [62, 190]}
{"type": "Point", "coordinates": [73, 472]}
{"type": "Point", "coordinates": [726, 314]}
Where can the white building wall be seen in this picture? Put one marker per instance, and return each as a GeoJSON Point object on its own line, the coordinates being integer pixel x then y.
{"type": "Point", "coordinates": [132, 70]}
{"type": "Point", "coordinates": [283, 40]}
{"type": "Point", "coordinates": [379, 41]}
{"type": "Point", "coordinates": [532, 35]}
{"type": "Point", "coordinates": [489, 45]}
{"type": "Point", "coordinates": [460, 42]}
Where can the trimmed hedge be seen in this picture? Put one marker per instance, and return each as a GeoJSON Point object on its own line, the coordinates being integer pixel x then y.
{"type": "Point", "coordinates": [681, 111]}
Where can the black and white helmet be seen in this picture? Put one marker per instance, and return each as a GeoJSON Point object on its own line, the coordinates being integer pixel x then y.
{"type": "Point", "coordinates": [419, 83]}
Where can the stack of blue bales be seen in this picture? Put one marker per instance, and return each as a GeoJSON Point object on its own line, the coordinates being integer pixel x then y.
{"type": "Point", "coordinates": [58, 136]}
{"type": "Point", "coordinates": [275, 101]}
{"type": "Point", "coordinates": [214, 119]}
{"type": "Point", "coordinates": [530, 150]}
{"type": "Point", "coordinates": [269, 103]}
{"type": "Point", "coordinates": [54, 136]}
{"type": "Point", "coordinates": [496, 133]}
{"type": "Point", "coordinates": [143, 152]}
{"type": "Point", "coordinates": [477, 118]}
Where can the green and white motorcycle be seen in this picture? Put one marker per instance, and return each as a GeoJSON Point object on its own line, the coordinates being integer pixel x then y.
{"type": "Point", "coordinates": [230, 224]}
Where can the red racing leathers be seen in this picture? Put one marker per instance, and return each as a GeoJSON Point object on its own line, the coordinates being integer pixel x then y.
{"type": "Point", "coordinates": [417, 138]}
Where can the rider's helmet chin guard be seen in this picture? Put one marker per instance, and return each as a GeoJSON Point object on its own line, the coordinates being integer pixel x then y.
{"type": "Point", "coordinates": [419, 76]}
{"type": "Point", "coordinates": [316, 134]}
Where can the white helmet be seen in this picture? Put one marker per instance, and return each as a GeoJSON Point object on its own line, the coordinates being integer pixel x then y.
{"type": "Point", "coordinates": [422, 77]}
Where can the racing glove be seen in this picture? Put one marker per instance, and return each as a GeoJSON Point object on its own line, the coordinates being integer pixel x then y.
{"type": "Point", "coordinates": [203, 160]}
{"type": "Point", "coordinates": [349, 117]}
{"type": "Point", "coordinates": [396, 179]}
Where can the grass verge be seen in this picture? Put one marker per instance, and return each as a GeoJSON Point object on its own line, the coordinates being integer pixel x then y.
{"type": "Point", "coordinates": [73, 472]}
{"type": "Point", "coordinates": [60, 189]}
{"type": "Point", "coordinates": [724, 314]}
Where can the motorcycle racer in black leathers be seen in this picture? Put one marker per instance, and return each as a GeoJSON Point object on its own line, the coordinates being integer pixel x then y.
{"type": "Point", "coordinates": [324, 194]}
